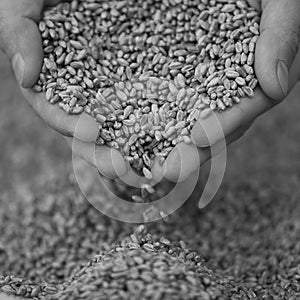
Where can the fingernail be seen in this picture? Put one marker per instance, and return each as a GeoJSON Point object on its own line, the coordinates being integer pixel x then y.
{"type": "Point", "coordinates": [205, 133]}
{"type": "Point", "coordinates": [86, 129]}
{"type": "Point", "coordinates": [283, 76]}
{"type": "Point", "coordinates": [200, 139]}
{"type": "Point", "coordinates": [18, 65]}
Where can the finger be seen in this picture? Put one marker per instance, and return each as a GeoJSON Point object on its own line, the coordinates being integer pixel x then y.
{"type": "Point", "coordinates": [182, 161]}
{"type": "Point", "coordinates": [255, 3]}
{"type": "Point", "coordinates": [189, 160]}
{"type": "Point", "coordinates": [208, 131]}
{"type": "Point", "coordinates": [277, 46]}
{"type": "Point", "coordinates": [179, 167]}
{"type": "Point", "coordinates": [158, 170]}
{"type": "Point", "coordinates": [30, 9]}
{"type": "Point", "coordinates": [295, 71]}
{"type": "Point", "coordinates": [220, 145]}
{"type": "Point", "coordinates": [20, 37]}
{"type": "Point", "coordinates": [83, 127]}
{"type": "Point", "coordinates": [81, 151]}
{"type": "Point", "coordinates": [131, 179]}
{"type": "Point", "coordinates": [54, 2]}
{"type": "Point", "coordinates": [21, 41]}
{"type": "Point", "coordinates": [108, 161]}
{"type": "Point", "coordinates": [13, 9]}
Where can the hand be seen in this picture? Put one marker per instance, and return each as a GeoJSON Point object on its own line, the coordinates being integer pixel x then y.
{"type": "Point", "coordinates": [277, 73]}
{"type": "Point", "coordinates": [20, 39]}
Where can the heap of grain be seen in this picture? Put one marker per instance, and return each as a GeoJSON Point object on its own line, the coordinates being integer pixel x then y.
{"type": "Point", "coordinates": [147, 70]}
{"type": "Point", "coordinates": [55, 245]}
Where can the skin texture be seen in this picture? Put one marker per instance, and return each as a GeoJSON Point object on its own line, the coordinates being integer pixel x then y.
{"type": "Point", "coordinates": [20, 40]}
{"type": "Point", "coordinates": [276, 50]}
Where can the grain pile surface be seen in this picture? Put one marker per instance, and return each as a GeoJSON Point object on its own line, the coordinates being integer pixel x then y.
{"type": "Point", "coordinates": [244, 246]}
{"type": "Point", "coordinates": [147, 70]}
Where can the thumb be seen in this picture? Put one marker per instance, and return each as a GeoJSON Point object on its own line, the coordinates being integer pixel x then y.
{"type": "Point", "coordinates": [277, 46]}
{"type": "Point", "coordinates": [21, 41]}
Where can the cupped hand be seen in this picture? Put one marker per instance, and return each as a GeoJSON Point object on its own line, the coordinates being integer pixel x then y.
{"type": "Point", "coordinates": [21, 41]}
{"type": "Point", "coordinates": [277, 73]}
{"type": "Point", "coordinates": [276, 49]}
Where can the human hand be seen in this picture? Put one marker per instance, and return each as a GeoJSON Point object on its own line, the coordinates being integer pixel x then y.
{"type": "Point", "coordinates": [21, 41]}
{"type": "Point", "coordinates": [277, 73]}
